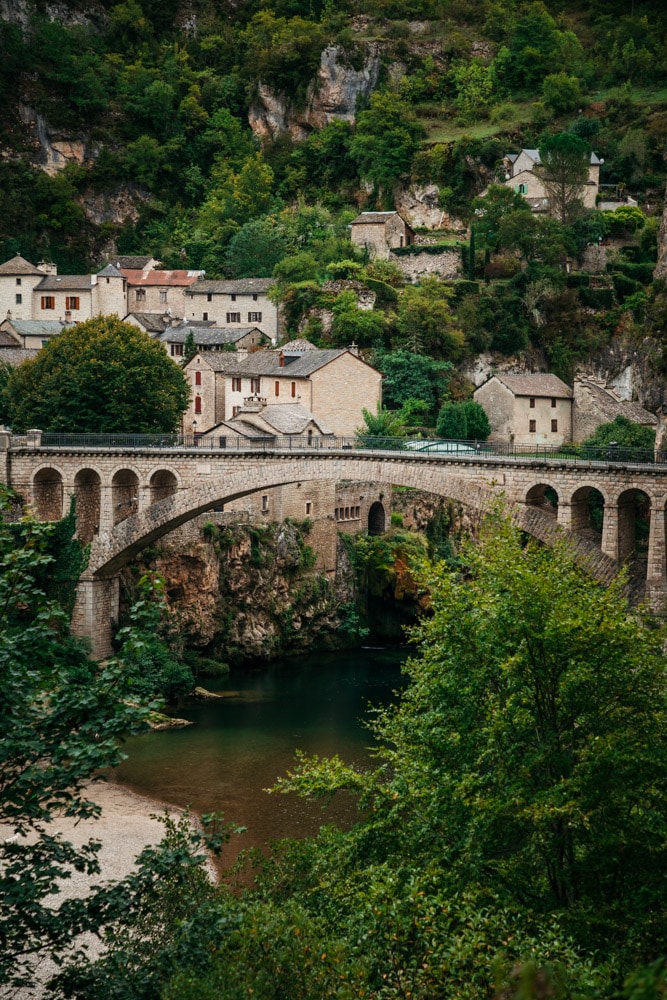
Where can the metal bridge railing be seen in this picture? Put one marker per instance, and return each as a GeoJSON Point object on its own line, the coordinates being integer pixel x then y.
{"type": "Point", "coordinates": [431, 448]}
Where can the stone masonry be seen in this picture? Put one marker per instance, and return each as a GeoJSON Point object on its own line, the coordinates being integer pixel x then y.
{"type": "Point", "coordinates": [135, 497]}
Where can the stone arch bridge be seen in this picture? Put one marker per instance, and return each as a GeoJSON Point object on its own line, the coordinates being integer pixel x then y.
{"type": "Point", "coordinates": [127, 498]}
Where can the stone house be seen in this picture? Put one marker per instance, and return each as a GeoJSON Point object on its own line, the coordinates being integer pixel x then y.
{"type": "Point", "coordinates": [594, 403]}
{"type": "Point", "coordinates": [520, 175]}
{"type": "Point", "coordinates": [31, 333]}
{"type": "Point", "coordinates": [334, 385]}
{"type": "Point", "coordinates": [154, 291]}
{"type": "Point", "coordinates": [242, 302]}
{"type": "Point", "coordinates": [18, 279]}
{"type": "Point", "coordinates": [151, 323]}
{"type": "Point", "coordinates": [527, 409]}
{"type": "Point", "coordinates": [73, 298]}
{"type": "Point", "coordinates": [381, 232]}
{"type": "Point", "coordinates": [212, 338]}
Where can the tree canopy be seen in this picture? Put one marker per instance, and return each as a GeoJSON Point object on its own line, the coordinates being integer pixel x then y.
{"type": "Point", "coordinates": [101, 376]}
{"type": "Point", "coordinates": [564, 171]}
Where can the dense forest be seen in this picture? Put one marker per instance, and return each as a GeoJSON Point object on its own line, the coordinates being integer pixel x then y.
{"type": "Point", "coordinates": [194, 134]}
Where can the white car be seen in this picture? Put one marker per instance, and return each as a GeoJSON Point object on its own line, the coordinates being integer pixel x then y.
{"type": "Point", "coordinates": [440, 447]}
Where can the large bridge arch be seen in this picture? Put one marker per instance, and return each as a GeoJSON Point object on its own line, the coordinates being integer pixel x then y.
{"type": "Point", "coordinates": [117, 547]}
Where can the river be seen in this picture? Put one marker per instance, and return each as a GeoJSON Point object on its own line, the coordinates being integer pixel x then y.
{"type": "Point", "coordinates": [241, 743]}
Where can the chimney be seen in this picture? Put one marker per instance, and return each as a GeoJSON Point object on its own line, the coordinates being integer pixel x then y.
{"type": "Point", "coordinates": [68, 316]}
{"type": "Point", "coordinates": [354, 349]}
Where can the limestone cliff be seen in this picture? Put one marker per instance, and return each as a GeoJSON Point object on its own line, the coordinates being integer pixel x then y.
{"type": "Point", "coordinates": [243, 592]}
{"type": "Point", "coordinates": [661, 266]}
{"type": "Point", "coordinates": [332, 94]}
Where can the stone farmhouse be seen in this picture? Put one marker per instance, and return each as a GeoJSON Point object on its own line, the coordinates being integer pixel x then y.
{"type": "Point", "coordinates": [208, 337]}
{"type": "Point", "coordinates": [242, 302]}
{"type": "Point", "coordinates": [527, 409]}
{"type": "Point", "coordinates": [155, 291]}
{"type": "Point", "coordinates": [334, 386]}
{"type": "Point", "coordinates": [520, 175]}
{"type": "Point", "coordinates": [381, 232]}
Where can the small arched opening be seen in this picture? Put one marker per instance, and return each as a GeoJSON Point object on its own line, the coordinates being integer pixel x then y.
{"type": "Point", "coordinates": [588, 513]}
{"type": "Point", "coordinates": [634, 523]}
{"type": "Point", "coordinates": [88, 493]}
{"type": "Point", "coordinates": [377, 519]}
{"type": "Point", "coordinates": [47, 495]}
{"type": "Point", "coordinates": [163, 484]}
{"type": "Point", "coordinates": [545, 497]}
{"type": "Point", "coordinates": [124, 494]}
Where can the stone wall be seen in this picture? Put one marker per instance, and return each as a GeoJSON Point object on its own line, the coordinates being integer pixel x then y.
{"type": "Point", "coordinates": [421, 265]}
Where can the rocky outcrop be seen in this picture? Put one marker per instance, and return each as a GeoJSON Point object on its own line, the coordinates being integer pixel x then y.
{"type": "Point", "coordinates": [52, 151]}
{"type": "Point", "coordinates": [332, 94]}
{"type": "Point", "coordinates": [115, 207]}
{"type": "Point", "coordinates": [250, 592]}
{"type": "Point", "coordinates": [421, 207]}
{"type": "Point", "coordinates": [661, 266]}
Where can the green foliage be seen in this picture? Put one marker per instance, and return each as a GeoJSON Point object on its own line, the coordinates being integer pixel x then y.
{"type": "Point", "coordinates": [465, 421]}
{"type": "Point", "coordinates": [98, 376]}
{"type": "Point", "coordinates": [426, 324]}
{"type": "Point", "coordinates": [381, 424]}
{"type": "Point", "coordinates": [61, 723]}
{"type": "Point", "coordinates": [150, 666]}
{"type": "Point", "coordinates": [411, 376]}
{"type": "Point", "coordinates": [561, 92]}
{"type": "Point", "coordinates": [386, 138]}
{"type": "Point", "coordinates": [189, 348]}
{"type": "Point", "coordinates": [519, 765]}
{"type": "Point", "coordinates": [564, 172]}
{"type": "Point", "coordinates": [622, 432]}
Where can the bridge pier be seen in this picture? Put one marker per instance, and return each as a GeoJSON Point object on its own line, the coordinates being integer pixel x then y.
{"type": "Point", "coordinates": [95, 608]}
{"type": "Point", "coordinates": [656, 570]}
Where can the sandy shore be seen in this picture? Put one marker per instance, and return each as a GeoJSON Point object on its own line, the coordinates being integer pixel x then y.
{"type": "Point", "coordinates": [125, 827]}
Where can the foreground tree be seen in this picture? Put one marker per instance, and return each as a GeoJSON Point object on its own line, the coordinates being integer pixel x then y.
{"type": "Point", "coordinates": [525, 765]}
{"type": "Point", "coordinates": [99, 376]}
{"type": "Point", "coordinates": [563, 169]}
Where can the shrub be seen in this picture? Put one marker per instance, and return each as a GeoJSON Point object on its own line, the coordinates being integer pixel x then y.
{"type": "Point", "coordinates": [599, 299]}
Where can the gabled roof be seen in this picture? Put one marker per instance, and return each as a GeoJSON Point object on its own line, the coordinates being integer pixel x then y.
{"type": "Point", "coordinates": [65, 282]}
{"type": "Point", "coordinates": [209, 335]}
{"type": "Point", "coordinates": [288, 418]}
{"type": "Point", "coordinates": [18, 266]}
{"type": "Point", "coordinates": [534, 155]}
{"type": "Point", "coordinates": [151, 322]}
{"type": "Point", "coordinates": [133, 263]}
{"type": "Point", "coordinates": [378, 219]}
{"type": "Point", "coordinates": [35, 327]}
{"type": "Point", "coordinates": [7, 339]}
{"type": "Point", "coordinates": [268, 363]}
{"type": "Point", "coordinates": [297, 346]}
{"type": "Point", "coordinates": [536, 385]}
{"type": "Point", "coordinates": [147, 278]}
{"type": "Point", "coordinates": [609, 404]}
{"type": "Point", "coordinates": [240, 286]}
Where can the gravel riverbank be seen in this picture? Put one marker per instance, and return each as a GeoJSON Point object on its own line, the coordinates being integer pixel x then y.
{"type": "Point", "coordinates": [125, 827]}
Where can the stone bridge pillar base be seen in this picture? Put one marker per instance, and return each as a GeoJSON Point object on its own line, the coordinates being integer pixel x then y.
{"type": "Point", "coordinates": [655, 594]}
{"type": "Point", "coordinates": [95, 608]}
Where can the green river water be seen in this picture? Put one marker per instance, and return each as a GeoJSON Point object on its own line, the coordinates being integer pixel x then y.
{"type": "Point", "coordinates": [241, 743]}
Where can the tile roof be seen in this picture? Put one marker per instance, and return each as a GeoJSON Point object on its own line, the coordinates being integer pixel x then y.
{"type": "Point", "coordinates": [109, 272]}
{"type": "Point", "coordinates": [19, 265]}
{"type": "Point", "coordinates": [534, 154]}
{"type": "Point", "coordinates": [298, 345]}
{"type": "Point", "coordinates": [611, 406]}
{"type": "Point", "coordinates": [241, 286]}
{"type": "Point", "coordinates": [376, 218]}
{"type": "Point", "coordinates": [536, 385]}
{"type": "Point", "coordinates": [68, 282]}
{"type": "Point", "coordinates": [290, 418]}
{"type": "Point", "coordinates": [133, 263]}
{"type": "Point", "coordinates": [268, 363]}
{"type": "Point", "coordinates": [137, 278]}
{"type": "Point", "coordinates": [209, 334]}
{"type": "Point", "coordinates": [152, 322]}
{"type": "Point", "coordinates": [7, 340]}
{"type": "Point", "coordinates": [37, 327]}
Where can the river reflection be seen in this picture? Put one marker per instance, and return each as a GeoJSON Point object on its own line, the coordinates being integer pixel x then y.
{"type": "Point", "coordinates": [241, 743]}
